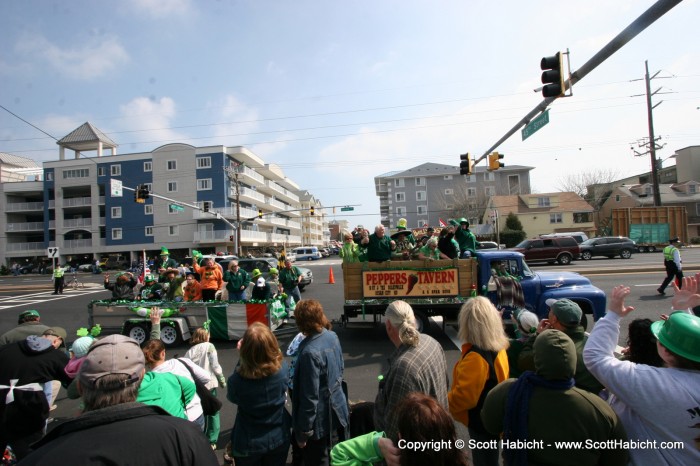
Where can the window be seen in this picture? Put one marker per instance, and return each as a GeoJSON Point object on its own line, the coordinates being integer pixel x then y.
{"type": "Point", "coordinates": [172, 164]}
{"type": "Point", "coordinates": [449, 206]}
{"type": "Point", "coordinates": [78, 173]}
{"type": "Point", "coordinates": [100, 171]}
{"type": "Point", "coordinates": [174, 230]}
{"type": "Point", "coordinates": [149, 186]}
{"type": "Point", "coordinates": [116, 212]}
{"type": "Point", "coordinates": [398, 182]}
{"type": "Point", "coordinates": [647, 190]}
{"type": "Point", "coordinates": [149, 231]}
{"type": "Point", "coordinates": [420, 181]}
{"type": "Point", "coordinates": [204, 185]}
{"type": "Point", "coordinates": [489, 176]}
{"type": "Point", "coordinates": [115, 170]}
{"type": "Point", "coordinates": [470, 178]}
{"type": "Point", "coordinates": [447, 177]}
{"type": "Point", "coordinates": [543, 202]}
{"type": "Point", "coordinates": [204, 162]}
{"type": "Point", "coordinates": [147, 166]}
{"type": "Point", "coordinates": [148, 209]}
{"type": "Point", "coordinates": [423, 223]}
{"type": "Point", "coordinates": [583, 217]}
{"type": "Point", "coordinates": [692, 189]}
{"type": "Point", "coordinates": [400, 197]}
{"type": "Point", "coordinates": [555, 218]}
{"type": "Point", "coordinates": [471, 192]}
{"type": "Point", "coordinates": [490, 190]}
{"type": "Point", "coordinates": [400, 211]}
{"type": "Point", "coordinates": [422, 210]}
{"type": "Point", "coordinates": [449, 192]}
{"type": "Point", "coordinates": [172, 186]}
{"type": "Point", "coordinates": [420, 196]}
{"type": "Point", "coordinates": [617, 198]}
{"type": "Point", "coordinates": [49, 176]}
{"type": "Point", "coordinates": [116, 233]}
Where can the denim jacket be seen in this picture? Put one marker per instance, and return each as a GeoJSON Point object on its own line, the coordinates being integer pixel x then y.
{"type": "Point", "coordinates": [318, 399]}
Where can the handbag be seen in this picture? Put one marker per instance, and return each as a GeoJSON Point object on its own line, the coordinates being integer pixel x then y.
{"type": "Point", "coordinates": [210, 404]}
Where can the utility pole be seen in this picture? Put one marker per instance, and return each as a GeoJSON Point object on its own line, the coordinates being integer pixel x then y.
{"type": "Point", "coordinates": [652, 143]}
{"type": "Point", "coordinates": [237, 194]}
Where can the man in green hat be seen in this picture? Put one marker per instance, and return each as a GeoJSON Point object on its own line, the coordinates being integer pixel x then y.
{"type": "Point", "coordinates": [151, 291]}
{"type": "Point", "coordinates": [28, 324]}
{"type": "Point", "coordinates": [465, 238]}
{"type": "Point", "coordinates": [164, 264]}
{"type": "Point", "coordinates": [647, 416]}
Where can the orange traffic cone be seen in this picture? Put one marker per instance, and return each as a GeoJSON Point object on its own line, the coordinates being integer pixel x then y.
{"type": "Point", "coordinates": [331, 279]}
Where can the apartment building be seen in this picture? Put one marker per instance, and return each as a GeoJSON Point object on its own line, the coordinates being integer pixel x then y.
{"type": "Point", "coordinates": [75, 205]}
{"type": "Point", "coordinates": [429, 192]}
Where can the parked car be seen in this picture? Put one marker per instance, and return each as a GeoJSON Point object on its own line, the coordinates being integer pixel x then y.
{"type": "Point", "coordinates": [486, 245]}
{"type": "Point", "coordinates": [85, 267]}
{"type": "Point", "coordinates": [562, 249]}
{"type": "Point", "coordinates": [307, 253]}
{"type": "Point", "coordinates": [608, 246]}
{"type": "Point", "coordinates": [27, 268]}
{"type": "Point", "coordinates": [264, 264]}
{"type": "Point", "coordinates": [114, 263]}
{"type": "Point", "coordinates": [579, 236]}
{"type": "Point", "coordinates": [325, 252]}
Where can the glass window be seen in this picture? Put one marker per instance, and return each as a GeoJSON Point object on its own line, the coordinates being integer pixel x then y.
{"type": "Point", "coordinates": [148, 209]}
{"type": "Point", "coordinates": [422, 210]}
{"type": "Point", "coordinates": [49, 176]}
{"type": "Point", "coordinates": [490, 190]}
{"type": "Point", "coordinates": [421, 195]}
{"type": "Point", "coordinates": [204, 185]}
{"type": "Point", "coordinates": [203, 162]}
{"type": "Point", "coordinates": [617, 198]}
{"type": "Point", "coordinates": [100, 171]}
{"type": "Point", "coordinates": [172, 186]}
{"type": "Point", "coordinates": [399, 183]}
{"type": "Point", "coordinates": [172, 164]}
{"type": "Point", "coordinates": [555, 217]}
{"type": "Point", "coordinates": [78, 173]}
{"type": "Point", "coordinates": [147, 166]}
{"type": "Point", "coordinates": [489, 176]}
{"type": "Point", "coordinates": [543, 202]}
{"type": "Point", "coordinates": [149, 231]}
{"type": "Point", "coordinates": [447, 177]}
{"type": "Point", "coordinates": [420, 181]}
{"type": "Point", "coordinates": [583, 217]}
{"type": "Point", "coordinates": [449, 192]}
{"type": "Point", "coordinates": [116, 212]}
{"type": "Point", "coordinates": [400, 197]}
{"type": "Point", "coordinates": [174, 230]}
{"type": "Point", "coordinates": [471, 192]}
{"type": "Point", "coordinates": [470, 178]}
{"type": "Point", "coordinates": [400, 211]}
{"type": "Point", "coordinates": [115, 170]}
{"type": "Point", "coordinates": [692, 188]}
{"type": "Point", "coordinates": [116, 233]}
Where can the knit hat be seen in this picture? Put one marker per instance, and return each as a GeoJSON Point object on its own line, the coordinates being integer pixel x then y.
{"type": "Point", "coordinates": [164, 251]}
{"type": "Point", "coordinates": [115, 354]}
{"type": "Point", "coordinates": [81, 346]}
{"type": "Point", "coordinates": [527, 320]}
{"type": "Point", "coordinates": [680, 333]}
{"type": "Point", "coordinates": [567, 312]}
{"type": "Point", "coordinates": [256, 273]}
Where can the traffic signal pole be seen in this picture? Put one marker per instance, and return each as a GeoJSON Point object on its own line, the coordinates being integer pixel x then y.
{"type": "Point", "coordinates": [646, 19]}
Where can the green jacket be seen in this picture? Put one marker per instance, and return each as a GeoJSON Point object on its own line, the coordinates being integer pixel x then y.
{"type": "Point", "coordinates": [378, 249]}
{"type": "Point", "coordinates": [358, 451]}
{"type": "Point", "coordinates": [466, 240]}
{"type": "Point", "coordinates": [350, 252]}
{"type": "Point", "coordinates": [234, 281]}
{"type": "Point", "coordinates": [22, 331]}
{"type": "Point", "coordinates": [289, 278]}
{"type": "Point", "coordinates": [167, 391]}
{"type": "Point", "coordinates": [584, 379]}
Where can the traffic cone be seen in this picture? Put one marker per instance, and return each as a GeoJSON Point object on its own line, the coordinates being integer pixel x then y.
{"type": "Point", "coordinates": [331, 279]}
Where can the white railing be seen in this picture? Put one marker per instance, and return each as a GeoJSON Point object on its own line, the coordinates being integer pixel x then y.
{"type": "Point", "coordinates": [15, 247]}
{"type": "Point", "coordinates": [24, 206]}
{"type": "Point", "coordinates": [294, 225]}
{"type": "Point", "coordinates": [276, 203]}
{"type": "Point", "coordinates": [294, 198]}
{"type": "Point", "coordinates": [77, 243]}
{"type": "Point", "coordinates": [26, 226]}
{"type": "Point", "coordinates": [249, 193]}
{"type": "Point", "coordinates": [77, 202]}
{"type": "Point", "coordinates": [252, 174]}
{"type": "Point", "coordinates": [274, 186]}
{"type": "Point", "coordinates": [228, 212]}
{"type": "Point", "coordinates": [249, 235]}
{"type": "Point", "coordinates": [77, 222]}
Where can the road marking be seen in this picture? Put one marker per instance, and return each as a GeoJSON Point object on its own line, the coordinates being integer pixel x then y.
{"type": "Point", "coordinates": [39, 298]}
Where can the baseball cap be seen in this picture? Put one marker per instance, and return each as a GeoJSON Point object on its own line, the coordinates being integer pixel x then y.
{"type": "Point", "coordinates": [29, 313]}
{"type": "Point", "coordinates": [674, 240]}
{"type": "Point", "coordinates": [568, 312]}
{"type": "Point", "coordinates": [56, 332]}
{"type": "Point", "coordinates": [680, 333]}
{"type": "Point", "coordinates": [114, 354]}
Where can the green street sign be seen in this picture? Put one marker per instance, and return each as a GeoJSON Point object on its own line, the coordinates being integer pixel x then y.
{"type": "Point", "coordinates": [532, 127]}
{"type": "Point", "coordinates": [346, 209]}
{"type": "Point", "coordinates": [176, 207]}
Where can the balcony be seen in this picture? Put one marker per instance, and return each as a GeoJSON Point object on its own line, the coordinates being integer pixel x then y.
{"type": "Point", "coordinates": [248, 195]}
{"type": "Point", "coordinates": [77, 243]}
{"type": "Point", "coordinates": [25, 226]}
{"type": "Point", "coordinates": [78, 202]}
{"type": "Point", "coordinates": [77, 222]}
{"type": "Point", "coordinates": [275, 203]}
{"type": "Point", "coordinates": [251, 176]}
{"type": "Point", "coordinates": [24, 207]}
{"type": "Point", "coordinates": [227, 212]}
{"type": "Point", "coordinates": [24, 247]}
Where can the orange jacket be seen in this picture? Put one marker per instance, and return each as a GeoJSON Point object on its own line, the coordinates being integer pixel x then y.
{"type": "Point", "coordinates": [469, 377]}
{"type": "Point", "coordinates": [193, 292]}
{"type": "Point", "coordinates": [211, 277]}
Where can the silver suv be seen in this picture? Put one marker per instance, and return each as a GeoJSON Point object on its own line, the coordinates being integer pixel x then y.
{"type": "Point", "coordinates": [608, 246]}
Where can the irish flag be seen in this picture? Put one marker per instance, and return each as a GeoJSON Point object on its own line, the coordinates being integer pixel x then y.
{"type": "Point", "coordinates": [230, 320]}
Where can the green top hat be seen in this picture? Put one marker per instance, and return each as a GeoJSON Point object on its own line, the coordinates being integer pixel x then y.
{"type": "Point", "coordinates": [680, 334]}
{"type": "Point", "coordinates": [164, 251]}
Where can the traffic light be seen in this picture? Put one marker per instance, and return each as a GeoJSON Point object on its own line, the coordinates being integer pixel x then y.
{"type": "Point", "coordinates": [553, 76]}
{"type": "Point", "coordinates": [143, 192]}
{"type": "Point", "coordinates": [205, 206]}
{"type": "Point", "coordinates": [311, 210]}
{"type": "Point", "coordinates": [495, 161]}
{"type": "Point", "coordinates": [138, 196]}
{"type": "Point", "coordinates": [259, 213]}
{"type": "Point", "coordinates": [466, 166]}
{"type": "Point", "coordinates": [230, 238]}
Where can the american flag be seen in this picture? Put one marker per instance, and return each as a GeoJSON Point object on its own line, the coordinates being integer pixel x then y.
{"type": "Point", "coordinates": [442, 223]}
{"type": "Point", "coordinates": [143, 268]}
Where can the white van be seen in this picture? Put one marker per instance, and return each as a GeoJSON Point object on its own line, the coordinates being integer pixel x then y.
{"type": "Point", "coordinates": [579, 236]}
{"type": "Point", "coordinates": [307, 253]}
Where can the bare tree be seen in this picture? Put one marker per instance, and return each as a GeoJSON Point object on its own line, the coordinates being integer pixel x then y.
{"type": "Point", "coordinates": [462, 203]}
{"type": "Point", "coordinates": [593, 185]}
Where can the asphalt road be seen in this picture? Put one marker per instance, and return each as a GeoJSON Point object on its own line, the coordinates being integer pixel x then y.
{"type": "Point", "coordinates": [365, 346]}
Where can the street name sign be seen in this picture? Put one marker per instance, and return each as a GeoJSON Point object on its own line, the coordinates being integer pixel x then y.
{"type": "Point", "coordinates": [346, 209]}
{"type": "Point", "coordinates": [532, 127]}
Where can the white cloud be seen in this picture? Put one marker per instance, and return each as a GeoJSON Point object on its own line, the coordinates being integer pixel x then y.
{"type": "Point", "coordinates": [154, 117]}
{"type": "Point", "coordinates": [93, 59]}
{"type": "Point", "coordinates": [162, 8]}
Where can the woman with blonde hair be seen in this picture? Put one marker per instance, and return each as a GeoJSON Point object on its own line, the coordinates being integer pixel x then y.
{"type": "Point", "coordinates": [258, 385]}
{"type": "Point", "coordinates": [483, 365]}
{"type": "Point", "coordinates": [203, 353]}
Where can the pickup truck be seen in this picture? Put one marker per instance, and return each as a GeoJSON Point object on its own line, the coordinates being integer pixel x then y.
{"type": "Point", "coordinates": [440, 287]}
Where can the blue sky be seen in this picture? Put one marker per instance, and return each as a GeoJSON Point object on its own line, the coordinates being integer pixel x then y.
{"type": "Point", "coordinates": [336, 93]}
